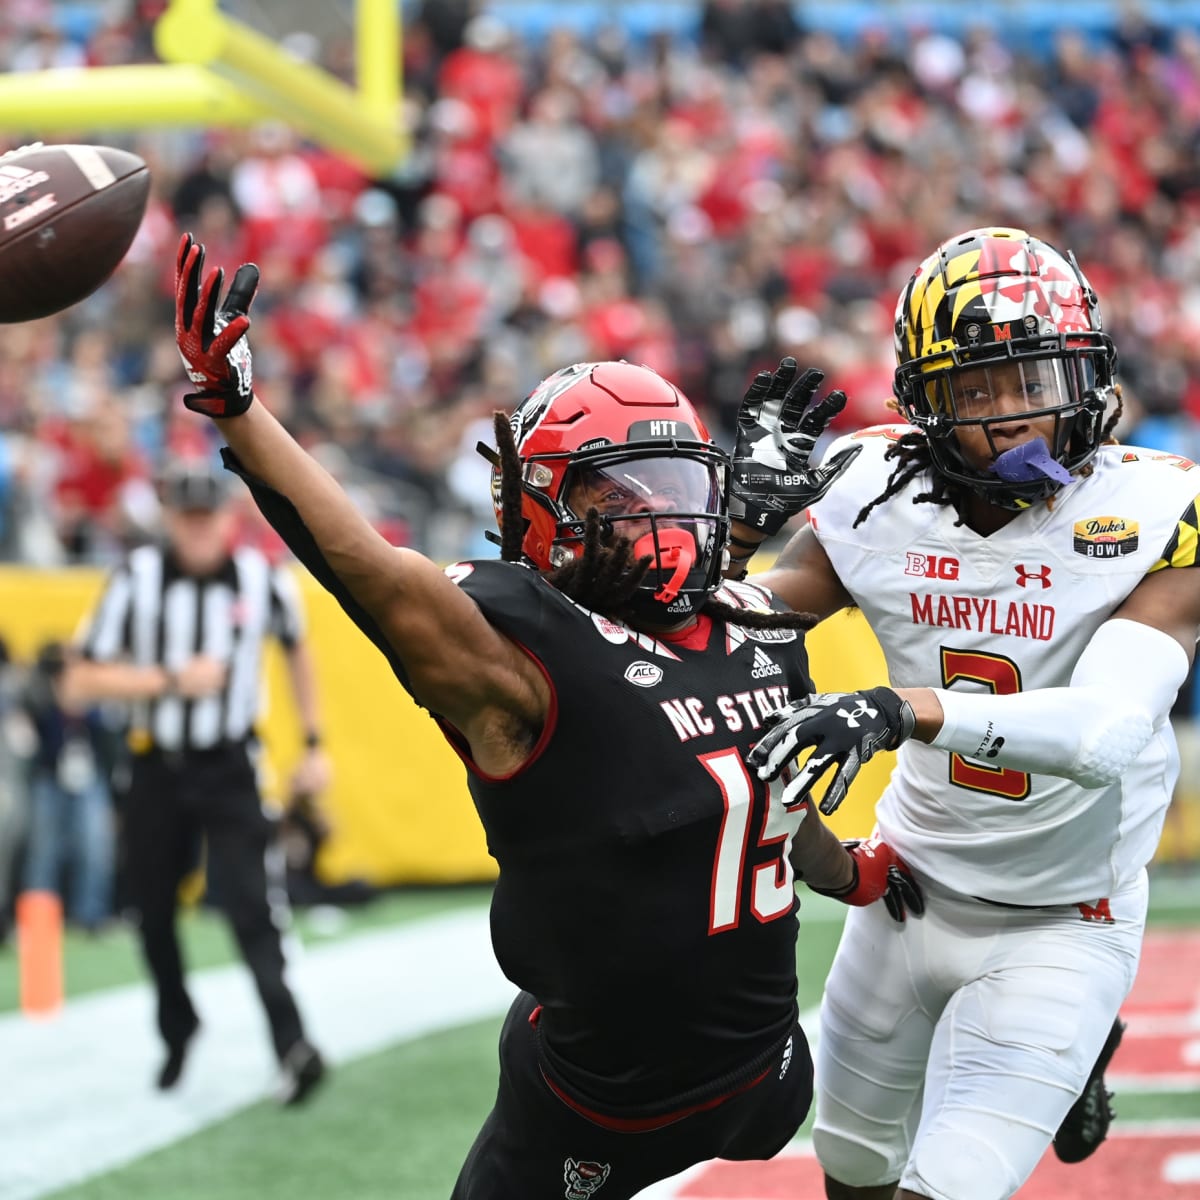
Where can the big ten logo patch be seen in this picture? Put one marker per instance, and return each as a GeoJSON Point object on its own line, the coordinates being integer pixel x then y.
{"type": "Point", "coordinates": [930, 566]}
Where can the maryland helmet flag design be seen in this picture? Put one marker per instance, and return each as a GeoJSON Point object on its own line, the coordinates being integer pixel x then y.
{"type": "Point", "coordinates": [1000, 296]}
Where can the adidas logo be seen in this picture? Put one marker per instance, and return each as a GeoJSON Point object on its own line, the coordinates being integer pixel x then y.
{"type": "Point", "coordinates": [764, 665]}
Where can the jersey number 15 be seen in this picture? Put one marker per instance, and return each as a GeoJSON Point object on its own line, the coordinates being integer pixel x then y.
{"type": "Point", "coordinates": [769, 882]}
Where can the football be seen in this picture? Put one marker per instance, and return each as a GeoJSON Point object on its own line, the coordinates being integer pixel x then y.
{"type": "Point", "coordinates": [68, 214]}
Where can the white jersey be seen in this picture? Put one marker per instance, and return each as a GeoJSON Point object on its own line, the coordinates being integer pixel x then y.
{"type": "Point", "coordinates": [1005, 613]}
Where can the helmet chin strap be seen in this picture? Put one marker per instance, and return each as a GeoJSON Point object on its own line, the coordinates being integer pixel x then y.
{"type": "Point", "coordinates": [668, 549]}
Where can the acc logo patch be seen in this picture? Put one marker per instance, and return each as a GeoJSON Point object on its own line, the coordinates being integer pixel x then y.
{"type": "Point", "coordinates": [643, 674]}
{"type": "Point", "coordinates": [584, 1179]}
{"type": "Point", "coordinates": [1105, 537]}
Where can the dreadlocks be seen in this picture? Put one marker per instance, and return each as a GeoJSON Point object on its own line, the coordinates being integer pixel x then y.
{"type": "Point", "coordinates": [912, 458]}
{"type": "Point", "coordinates": [606, 577]}
{"type": "Point", "coordinates": [512, 527]}
{"type": "Point", "coordinates": [911, 452]}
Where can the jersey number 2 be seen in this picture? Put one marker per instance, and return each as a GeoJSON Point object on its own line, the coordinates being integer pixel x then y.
{"type": "Point", "coordinates": [1003, 677]}
{"type": "Point", "coordinates": [772, 892]}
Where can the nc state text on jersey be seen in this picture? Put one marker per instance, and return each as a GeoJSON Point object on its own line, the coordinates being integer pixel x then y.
{"type": "Point", "coordinates": [985, 614]}
{"type": "Point", "coordinates": [743, 710]}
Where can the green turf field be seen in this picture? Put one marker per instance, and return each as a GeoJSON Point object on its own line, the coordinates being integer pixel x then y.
{"type": "Point", "coordinates": [111, 958]}
{"type": "Point", "coordinates": [396, 1124]}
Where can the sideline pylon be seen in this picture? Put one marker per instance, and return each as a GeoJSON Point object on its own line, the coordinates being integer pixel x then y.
{"type": "Point", "coordinates": [40, 952]}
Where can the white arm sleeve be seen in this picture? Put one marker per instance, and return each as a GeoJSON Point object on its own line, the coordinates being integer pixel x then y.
{"type": "Point", "coordinates": [1121, 690]}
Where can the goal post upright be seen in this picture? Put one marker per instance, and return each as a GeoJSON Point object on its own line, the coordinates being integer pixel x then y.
{"type": "Point", "coordinates": [220, 72]}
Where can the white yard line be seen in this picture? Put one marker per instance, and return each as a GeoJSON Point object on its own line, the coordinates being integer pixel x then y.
{"type": "Point", "coordinates": [77, 1098]}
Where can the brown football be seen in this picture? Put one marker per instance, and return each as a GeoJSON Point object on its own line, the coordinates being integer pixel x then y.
{"type": "Point", "coordinates": [67, 216]}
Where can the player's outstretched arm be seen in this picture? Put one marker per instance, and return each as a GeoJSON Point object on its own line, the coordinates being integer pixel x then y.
{"type": "Point", "coordinates": [452, 660]}
{"type": "Point", "coordinates": [803, 577]}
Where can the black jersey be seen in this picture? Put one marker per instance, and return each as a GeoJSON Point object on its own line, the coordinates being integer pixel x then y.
{"type": "Point", "coordinates": [644, 895]}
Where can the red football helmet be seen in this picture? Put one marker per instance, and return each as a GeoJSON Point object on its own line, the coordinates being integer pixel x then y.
{"type": "Point", "coordinates": [621, 439]}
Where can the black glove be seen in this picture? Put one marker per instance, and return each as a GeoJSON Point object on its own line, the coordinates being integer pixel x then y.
{"type": "Point", "coordinates": [777, 430]}
{"type": "Point", "coordinates": [879, 874]}
{"type": "Point", "coordinates": [844, 729]}
{"type": "Point", "coordinates": [211, 333]}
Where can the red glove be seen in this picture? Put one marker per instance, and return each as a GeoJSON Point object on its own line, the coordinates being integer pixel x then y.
{"type": "Point", "coordinates": [211, 337]}
{"type": "Point", "coordinates": [879, 873]}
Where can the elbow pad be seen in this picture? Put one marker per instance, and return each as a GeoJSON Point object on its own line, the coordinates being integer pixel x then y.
{"type": "Point", "coordinates": [1121, 691]}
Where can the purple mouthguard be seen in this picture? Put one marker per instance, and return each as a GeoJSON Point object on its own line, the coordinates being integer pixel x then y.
{"type": "Point", "coordinates": [1028, 462]}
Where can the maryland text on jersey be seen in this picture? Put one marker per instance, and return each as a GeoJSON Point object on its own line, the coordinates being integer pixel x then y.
{"type": "Point", "coordinates": [984, 614]}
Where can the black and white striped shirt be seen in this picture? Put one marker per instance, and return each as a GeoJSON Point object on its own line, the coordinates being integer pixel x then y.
{"type": "Point", "coordinates": [152, 614]}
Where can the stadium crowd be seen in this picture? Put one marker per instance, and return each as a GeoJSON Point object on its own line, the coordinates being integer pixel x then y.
{"type": "Point", "coordinates": [702, 204]}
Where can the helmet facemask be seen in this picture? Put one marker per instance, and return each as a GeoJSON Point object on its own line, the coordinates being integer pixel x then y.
{"type": "Point", "coordinates": [669, 504]}
{"type": "Point", "coordinates": [997, 327]}
{"type": "Point", "coordinates": [1055, 389]}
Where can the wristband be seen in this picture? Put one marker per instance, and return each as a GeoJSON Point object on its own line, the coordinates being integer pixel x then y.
{"type": "Point", "coordinates": [312, 740]}
{"type": "Point", "coordinates": [742, 544]}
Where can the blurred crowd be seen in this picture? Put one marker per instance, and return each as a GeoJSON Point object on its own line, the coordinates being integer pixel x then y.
{"type": "Point", "coordinates": [703, 201]}
{"type": "Point", "coordinates": [700, 202]}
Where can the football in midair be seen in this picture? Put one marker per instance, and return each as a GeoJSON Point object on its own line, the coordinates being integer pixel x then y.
{"type": "Point", "coordinates": [68, 214]}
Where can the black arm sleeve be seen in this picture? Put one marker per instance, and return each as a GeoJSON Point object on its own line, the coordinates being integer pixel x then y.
{"type": "Point", "coordinates": [282, 516]}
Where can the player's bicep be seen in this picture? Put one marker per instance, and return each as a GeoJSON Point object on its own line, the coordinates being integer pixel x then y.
{"type": "Point", "coordinates": [803, 577]}
{"type": "Point", "coordinates": [457, 663]}
{"type": "Point", "coordinates": [1167, 600]}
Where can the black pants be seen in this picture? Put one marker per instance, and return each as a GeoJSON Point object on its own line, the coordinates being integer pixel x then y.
{"type": "Point", "coordinates": [534, 1147]}
{"type": "Point", "coordinates": [172, 799]}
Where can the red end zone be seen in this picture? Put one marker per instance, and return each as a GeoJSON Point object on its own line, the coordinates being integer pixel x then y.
{"type": "Point", "coordinates": [1160, 1051]}
{"type": "Point", "coordinates": [1146, 1167]}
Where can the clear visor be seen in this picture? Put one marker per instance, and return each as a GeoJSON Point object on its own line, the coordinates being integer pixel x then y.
{"type": "Point", "coordinates": [637, 486]}
{"type": "Point", "coordinates": [1007, 388]}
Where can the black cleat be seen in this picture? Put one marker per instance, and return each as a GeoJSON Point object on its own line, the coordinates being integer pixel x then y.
{"type": "Point", "coordinates": [301, 1070]}
{"type": "Point", "coordinates": [172, 1068]}
{"type": "Point", "coordinates": [1086, 1124]}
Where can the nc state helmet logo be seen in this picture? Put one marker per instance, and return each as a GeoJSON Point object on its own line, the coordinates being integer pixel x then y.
{"type": "Point", "coordinates": [530, 413]}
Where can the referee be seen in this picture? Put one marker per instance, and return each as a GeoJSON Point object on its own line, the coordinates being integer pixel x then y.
{"type": "Point", "coordinates": [179, 635]}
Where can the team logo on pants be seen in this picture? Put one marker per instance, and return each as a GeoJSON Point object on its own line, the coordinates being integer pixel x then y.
{"type": "Point", "coordinates": [584, 1179]}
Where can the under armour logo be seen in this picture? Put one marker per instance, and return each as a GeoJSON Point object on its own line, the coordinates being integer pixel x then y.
{"type": "Point", "coordinates": [861, 709]}
{"type": "Point", "coordinates": [1042, 575]}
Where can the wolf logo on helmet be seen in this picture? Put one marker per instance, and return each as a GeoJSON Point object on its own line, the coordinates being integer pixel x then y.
{"type": "Point", "coordinates": [994, 298]}
{"type": "Point", "coordinates": [620, 439]}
